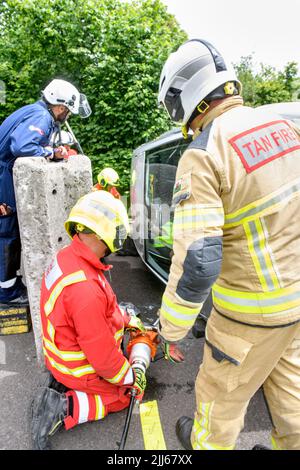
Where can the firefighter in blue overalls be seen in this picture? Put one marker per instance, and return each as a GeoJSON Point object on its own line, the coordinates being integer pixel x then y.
{"type": "Point", "coordinates": [27, 133]}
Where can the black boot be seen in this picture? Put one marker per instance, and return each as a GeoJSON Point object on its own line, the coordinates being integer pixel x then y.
{"type": "Point", "coordinates": [48, 410]}
{"type": "Point", "coordinates": [260, 447]}
{"type": "Point", "coordinates": [47, 380]}
{"type": "Point", "coordinates": [183, 431]}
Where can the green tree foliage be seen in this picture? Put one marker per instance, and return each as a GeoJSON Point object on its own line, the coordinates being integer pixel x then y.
{"type": "Point", "coordinates": [112, 50]}
{"type": "Point", "coordinates": [267, 85]}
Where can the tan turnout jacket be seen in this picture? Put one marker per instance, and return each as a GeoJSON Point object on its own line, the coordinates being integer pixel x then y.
{"type": "Point", "coordinates": [237, 222]}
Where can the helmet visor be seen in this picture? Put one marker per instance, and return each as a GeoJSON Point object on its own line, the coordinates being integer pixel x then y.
{"type": "Point", "coordinates": [84, 109]}
{"type": "Point", "coordinates": [173, 105]}
{"type": "Point", "coordinates": [121, 235]}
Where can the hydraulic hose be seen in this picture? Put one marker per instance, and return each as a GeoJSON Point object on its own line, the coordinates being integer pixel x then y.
{"type": "Point", "coordinates": [128, 419]}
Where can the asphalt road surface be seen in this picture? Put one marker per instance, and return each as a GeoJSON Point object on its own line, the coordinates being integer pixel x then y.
{"type": "Point", "coordinates": [171, 385]}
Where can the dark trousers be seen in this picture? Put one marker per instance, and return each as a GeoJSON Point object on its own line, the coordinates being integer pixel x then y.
{"type": "Point", "coordinates": [10, 245]}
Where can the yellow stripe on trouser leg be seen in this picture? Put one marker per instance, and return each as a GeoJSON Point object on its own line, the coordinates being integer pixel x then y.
{"type": "Point", "coordinates": [275, 446]}
{"type": "Point", "coordinates": [201, 427]}
{"type": "Point", "coordinates": [100, 408]}
{"type": "Point", "coordinates": [202, 431]}
{"type": "Point", "coordinates": [151, 426]}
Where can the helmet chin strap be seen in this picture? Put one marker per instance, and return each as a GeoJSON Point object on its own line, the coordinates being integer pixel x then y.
{"type": "Point", "coordinates": [200, 110]}
{"type": "Point", "coordinates": [224, 91]}
{"type": "Point", "coordinates": [185, 131]}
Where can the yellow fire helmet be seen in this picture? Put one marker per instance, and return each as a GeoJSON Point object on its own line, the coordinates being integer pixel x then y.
{"type": "Point", "coordinates": [100, 213]}
{"type": "Point", "coordinates": [108, 176]}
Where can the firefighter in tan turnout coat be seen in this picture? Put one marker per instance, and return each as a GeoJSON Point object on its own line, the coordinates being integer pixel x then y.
{"type": "Point", "coordinates": [236, 230]}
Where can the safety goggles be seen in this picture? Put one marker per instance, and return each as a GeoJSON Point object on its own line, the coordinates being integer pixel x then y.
{"type": "Point", "coordinates": [173, 104]}
{"type": "Point", "coordinates": [121, 235]}
{"type": "Point", "coordinates": [118, 242]}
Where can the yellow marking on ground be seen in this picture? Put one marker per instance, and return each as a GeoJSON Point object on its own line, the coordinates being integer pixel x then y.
{"type": "Point", "coordinates": [151, 426]}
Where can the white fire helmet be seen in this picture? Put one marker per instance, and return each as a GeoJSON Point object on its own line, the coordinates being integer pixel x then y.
{"type": "Point", "coordinates": [62, 92]}
{"type": "Point", "coordinates": [193, 76]}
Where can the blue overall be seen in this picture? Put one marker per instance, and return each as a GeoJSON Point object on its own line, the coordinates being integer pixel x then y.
{"type": "Point", "coordinates": [25, 133]}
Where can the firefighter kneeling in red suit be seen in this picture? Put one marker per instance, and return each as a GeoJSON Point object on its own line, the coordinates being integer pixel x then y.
{"type": "Point", "coordinates": [83, 326]}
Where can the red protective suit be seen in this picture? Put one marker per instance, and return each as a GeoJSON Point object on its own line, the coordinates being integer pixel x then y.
{"type": "Point", "coordinates": [112, 190]}
{"type": "Point", "coordinates": [83, 326]}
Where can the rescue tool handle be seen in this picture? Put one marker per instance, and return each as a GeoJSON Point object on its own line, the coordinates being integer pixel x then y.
{"type": "Point", "coordinates": [128, 419]}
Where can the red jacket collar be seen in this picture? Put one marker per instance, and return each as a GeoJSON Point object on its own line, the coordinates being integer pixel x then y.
{"type": "Point", "coordinates": [82, 250]}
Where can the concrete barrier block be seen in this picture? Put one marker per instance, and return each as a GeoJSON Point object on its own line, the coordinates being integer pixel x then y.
{"type": "Point", "coordinates": [45, 193]}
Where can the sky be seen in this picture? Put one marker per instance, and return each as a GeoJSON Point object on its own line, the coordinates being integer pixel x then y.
{"type": "Point", "coordinates": [267, 29]}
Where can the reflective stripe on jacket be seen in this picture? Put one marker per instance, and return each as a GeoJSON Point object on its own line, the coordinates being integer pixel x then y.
{"type": "Point", "coordinates": [82, 324]}
{"type": "Point", "coordinates": [237, 221]}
